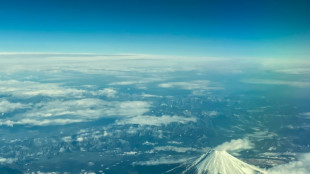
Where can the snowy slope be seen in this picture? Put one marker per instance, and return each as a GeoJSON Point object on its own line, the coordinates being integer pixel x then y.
{"type": "Point", "coordinates": [221, 162]}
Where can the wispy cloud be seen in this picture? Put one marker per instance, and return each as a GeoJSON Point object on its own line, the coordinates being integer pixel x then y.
{"type": "Point", "coordinates": [6, 106]}
{"type": "Point", "coordinates": [150, 95]}
{"type": "Point", "coordinates": [191, 85]}
{"type": "Point", "coordinates": [286, 66]}
{"type": "Point", "coordinates": [305, 115]}
{"type": "Point", "coordinates": [99, 64]}
{"type": "Point", "coordinates": [138, 80]}
{"type": "Point", "coordinates": [295, 71]}
{"type": "Point", "coordinates": [72, 111]}
{"type": "Point", "coordinates": [108, 92]}
{"type": "Point", "coordinates": [7, 160]}
{"type": "Point", "coordinates": [41, 121]}
{"type": "Point", "coordinates": [160, 161]}
{"type": "Point", "coordinates": [300, 84]}
{"type": "Point", "coordinates": [26, 89]}
{"type": "Point", "coordinates": [210, 113]}
{"type": "Point", "coordinates": [156, 121]}
{"type": "Point", "coordinates": [172, 148]}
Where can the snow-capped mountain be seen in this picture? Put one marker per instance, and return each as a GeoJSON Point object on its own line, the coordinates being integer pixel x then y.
{"type": "Point", "coordinates": [221, 162]}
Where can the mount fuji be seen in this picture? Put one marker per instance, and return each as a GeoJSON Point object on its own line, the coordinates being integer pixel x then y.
{"type": "Point", "coordinates": [221, 162]}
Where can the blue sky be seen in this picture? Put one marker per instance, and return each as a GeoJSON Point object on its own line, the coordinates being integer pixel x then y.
{"type": "Point", "coordinates": [239, 28]}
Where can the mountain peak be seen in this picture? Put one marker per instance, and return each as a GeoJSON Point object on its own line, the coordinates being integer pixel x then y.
{"type": "Point", "coordinates": [221, 162]}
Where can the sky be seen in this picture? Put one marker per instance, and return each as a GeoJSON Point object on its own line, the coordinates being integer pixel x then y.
{"type": "Point", "coordinates": [216, 28]}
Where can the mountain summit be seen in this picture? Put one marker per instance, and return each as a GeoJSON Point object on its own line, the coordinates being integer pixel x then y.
{"type": "Point", "coordinates": [221, 162]}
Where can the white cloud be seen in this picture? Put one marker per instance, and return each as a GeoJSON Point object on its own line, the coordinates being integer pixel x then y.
{"type": "Point", "coordinates": [99, 64]}
{"type": "Point", "coordinates": [301, 166]}
{"type": "Point", "coordinates": [138, 80]}
{"type": "Point", "coordinates": [298, 70]}
{"type": "Point", "coordinates": [108, 92]}
{"type": "Point", "coordinates": [175, 142]}
{"type": "Point", "coordinates": [156, 121]}
{"type": "Point", "coordinates": [287, 66]}
{"type": "Point", "coordinates": [213, 113]}
{"type": "Point", "coordinates": [92, 63]}
{"type": "Point", "coordinates": [39, 172]}
{"type": "Point", "coordinates": [300, 84]}
{"type": "Point", "coordinates": [172, 148]}
{"type": "Point", "coordinates": [150, 95]}
{"type": "Point", "coordinates": [130, 153]}
{"type": "Point", "coordinates": [67, 139]}
{"type": "Point", "coordinates": [149, 143]}
{"type": "Point", "coordinates": [40, 122]}
{"type": "Point", "coordinates": [6, 106]}
{"type": "Point", "coordinates": [235, 145]}
{"type": "Point", "coordinates": [7, 160]}
{"type": "Point", "coordinates": [79, 139]}
{"type": "Point", "coordinates": [72, 111]}
{"type": "Point", "coordinates": [127, 83]}
{"type": "Point", "coordinates": [88, 108]}
{"type": "Point", "coordinates": [260, 134]}
{"type": "Point", "coordinates": [160, 161]}
{"type": "Point", "coordinates": [27, 89]}
{"type": "Point", "coordinates": [210, 113]}
{"type": "Point", "coordinates": [192, 85]}
{"type": "Point", "coordinates": [306, 115]}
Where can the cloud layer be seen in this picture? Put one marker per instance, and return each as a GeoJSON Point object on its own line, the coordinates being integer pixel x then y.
{"type": "Point", "coordinates": [72, 111]}
{"type": "Point", "coordinates": [301, 166]}
{"type": "Point", "coordinates": [156, 121]}
{"type": "Point", "coordinates": [192, 85]}
{"type": "Point", "coordinates": [26, 89]}
{"type": "Point", "coordinates": [300, 84]}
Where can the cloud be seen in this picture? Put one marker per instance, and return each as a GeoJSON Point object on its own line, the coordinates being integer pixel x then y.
{"type": "Point", "coordinates": [60, 112]}
{"type": "Point", "coordinates": [67, 139]}
{"type": "Point", "coordinates": [156, 121]}
{"type": "Point", "coordinates": [300, 84]}
{"type": "Point", "coordinates": [192, 85]}
{"type": "Point", "coordinates": [108, 92]}
{"type": "Point", "coordinates": [305, 115]}
{"type": "Point", "coordinates": [39, 172]}
{"type": "Point", "coordinates": [235, 145]}
{"type": "Point", "coordinates": [7, 160]}
{"type": "Point", "coordinates": [294, 71]}
{"type": "Point", "coordinates": [172, 148]}
{"type": "Point", "coordinates": [12, 62]}
{"type": "Point", "coordinates": [138, 80]}
{"type": "Point", "coordinates": [261, 134]}
{"type": "Point", "coordinates": [127, 83]}
{"type": "Point", "coordinates": [41, 122]}
{"type": "Point", "coordinates": [130, 153]}
{"type": "Point", "coordinates": [301, 166]}
{"type": "Point", "coordinates": [144, 95]}
{"type": "Point", "coordinates": [287, 66]}
{"type": "Point", "coordinates": [160, 161]}
{"type": "Point", "coordinates": [26, 89]}
{"type": "Point", "coordinates": [6, 106]}
{"type": "Point", "coordinates": [210, 113]}
{"type": "Point", "coordinates": [88, 108]}
{"type": "Point", "coordinates": [96, 63]}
